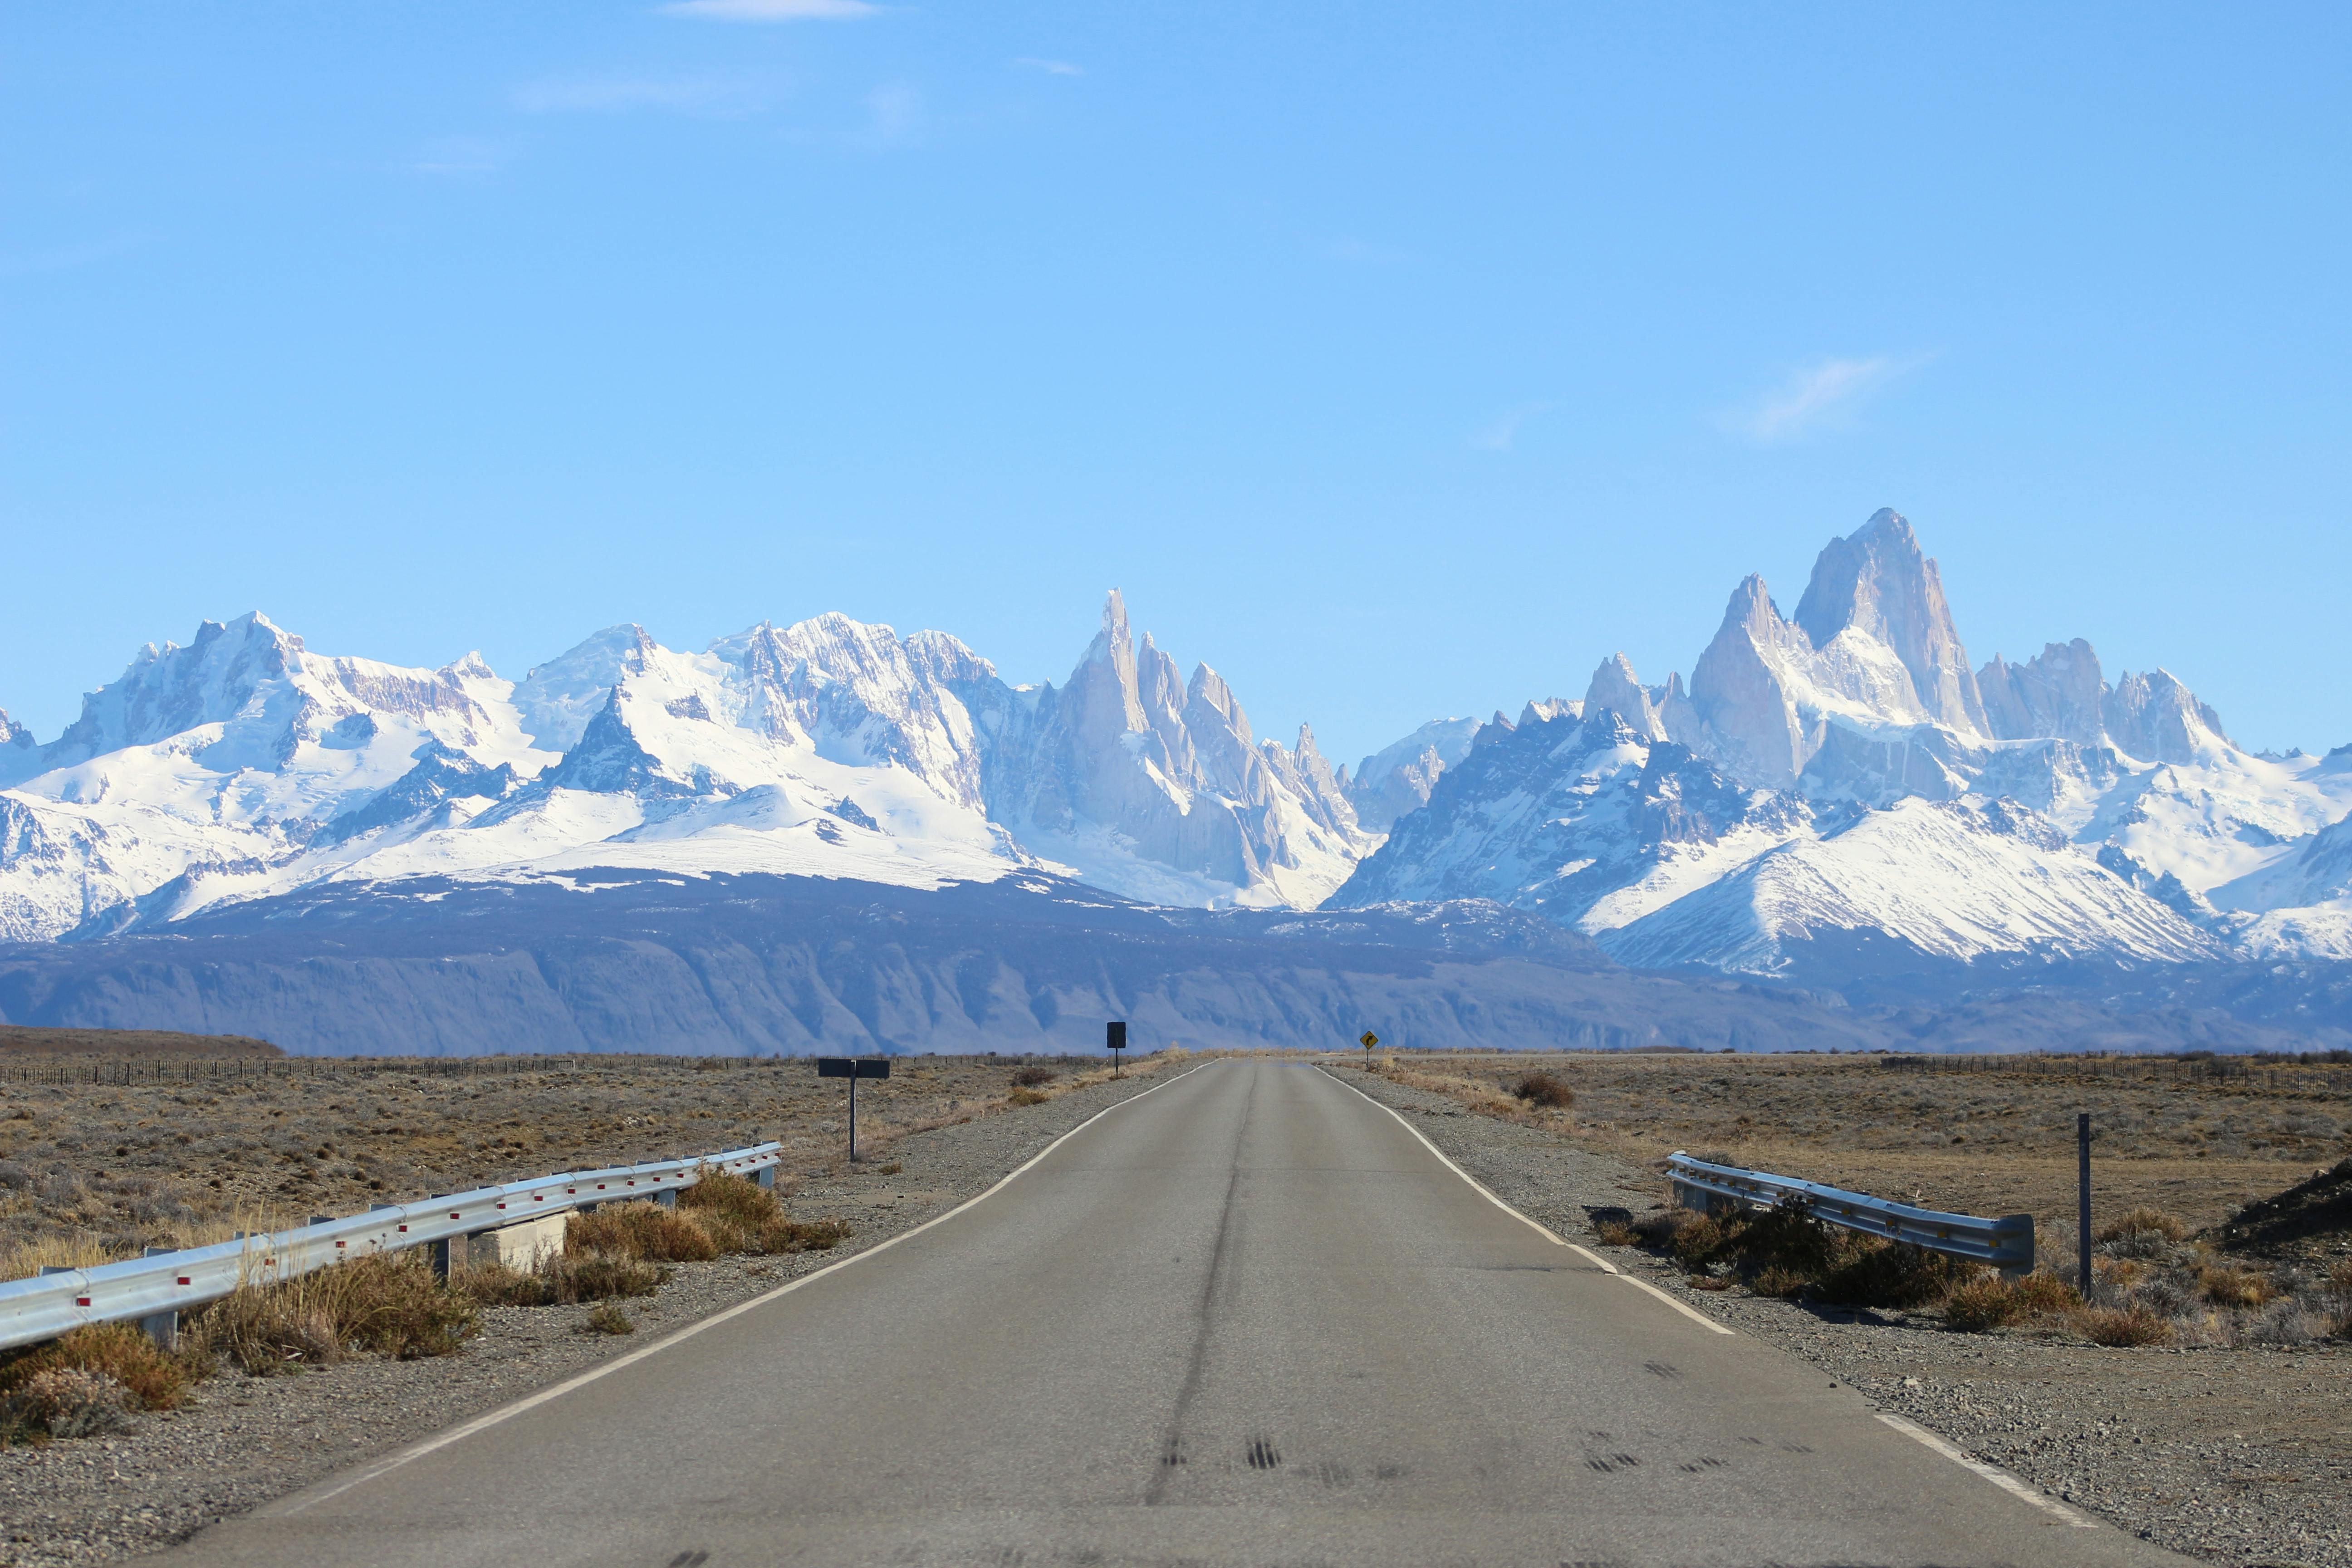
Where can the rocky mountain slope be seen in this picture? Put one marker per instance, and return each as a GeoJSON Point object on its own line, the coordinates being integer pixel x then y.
{"type": "Point", "coordinates": [245, 765]}
{"type": "Point", "coordinates": [1837, 790]}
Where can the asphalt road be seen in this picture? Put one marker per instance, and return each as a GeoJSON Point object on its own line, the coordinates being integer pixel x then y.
{"type": "Point", "coordinates": [1247, 1318]}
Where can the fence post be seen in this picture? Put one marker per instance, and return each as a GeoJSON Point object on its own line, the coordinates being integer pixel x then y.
{"type": "Point", "coordinates": [2082, 1204]}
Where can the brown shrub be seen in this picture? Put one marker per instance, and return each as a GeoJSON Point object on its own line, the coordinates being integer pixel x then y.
{"type": "Point", "coordinates": [1031, 1077]}
{"type": "Point", "coordinates": [152, 1377]}
{"type": "Point", "coordinates": [2339, 1299]}
{"type": "Point", "coordinates": [2142, 1222]}
{"type": "Point", "coordinates": [641, 1230]}
{"type": "Point", "coordinates": [2122, 1326]}
{"type": "Point", "coordinates": [1026, 1097]}
{"type": "Point", "coordinates": [64, 1402]}
{"type": "Point", "coordinates": [1615, 1233]}
{"type": "Point", "coordinates": [2043, 1292]}
{"type": "Point", "coordinates": [1702, 1240]}
{"type": "Point", "coordinates": [1787, 1236]}
{"type": "Point", "coordinates": [1985, 1302]}
{"type": "Point", "coordinates": [2234, 1286]}
{"type": "Point", "coordinates": [597, 1277]}
{"type": "Point", "coordinates": [607, 1319]}
{"type": "Point", "coordinates": [389, 1304]}
{"type": "Point", "coordinates": [1707, 1282]}
{"type": "Point", "coordinates": [1892, 1274]}
{"type": "Point", "coordinates": [1784, 1283]}
{"type": "Point", "coordinates": [1544, 1089]}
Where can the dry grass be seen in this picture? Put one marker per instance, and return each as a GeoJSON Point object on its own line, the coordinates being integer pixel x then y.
{"type": "Point", "coordinates": [2122, 1325]}
{"type": "Point", "coordinates": [1990, 1143]}
{"type": "Point", "coordinates": [2178, 1154]}
{"type": "Point", "coordinates": [639, 1230]}
{"type": "Point", "coordinates": [2142, 1222]}
{"type": "Point", "coordinates": [1023, 1096]}
{"type": "Point", "coordinates": [562, 1280]}
{"type": "Point", "coordinates": [91, 1172]}
{"type": "Point", "coordinates": [387, 1305]}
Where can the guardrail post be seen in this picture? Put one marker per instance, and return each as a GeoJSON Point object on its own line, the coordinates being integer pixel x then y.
{"type": "Point", "coordinates": [766, 1176]}
{"type": "Point", "coordinates": [449, 1253]}
{"type": "Point", "coordinates": [163, 1327]}
{"type": "Point", "coordinates": [2014, 1233]}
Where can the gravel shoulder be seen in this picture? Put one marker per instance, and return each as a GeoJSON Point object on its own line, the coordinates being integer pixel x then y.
{"type": "Point", "coordinates": [2241, 1456]}
{"type": "Point", "coordinates": [241, 1441]}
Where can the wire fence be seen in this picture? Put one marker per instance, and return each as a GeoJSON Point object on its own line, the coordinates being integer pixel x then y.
{"type": "Point", "coordinates": [2268, 1074]}
{"type": "Point", "coordinates": [127, 1071]}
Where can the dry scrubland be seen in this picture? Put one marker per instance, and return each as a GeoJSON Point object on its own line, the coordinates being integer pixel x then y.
{"type": "Point", "coordinates": [275, 1388]}
{"type": "Point", "coordinates": [100, 1156]}
{"type": "Point", "coordinates": [2222, 1202]}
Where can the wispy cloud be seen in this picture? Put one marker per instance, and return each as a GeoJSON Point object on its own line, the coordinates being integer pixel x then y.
{"type": "Point", "coordinates": [1817, 397]}
{"type": "Point", "coordinates": [1503, 433]}
{"type": "Point", "coordinates": [613, 97]}
{"type": "Point", "coordinates": [1364, 253]}
{"type": "Point", "coordinates": [1051, 68]}
{"type": "Point", "coordinates": [461, 157]}
{"type": "Point", "coordinates": [65, 258]}
{"type": "Point", "coordinates": [895, 113]}
{"type": "Point", "coordinates": [771, 10]}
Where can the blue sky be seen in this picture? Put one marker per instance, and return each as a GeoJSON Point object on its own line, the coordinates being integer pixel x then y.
{"type": "Point", "coordinates": [1398, 360]}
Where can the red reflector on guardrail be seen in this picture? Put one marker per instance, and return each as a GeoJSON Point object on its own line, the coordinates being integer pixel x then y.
{"type": "Point", "coordinates": [183, 1279]}
{"type": "Point", "coordinates": [81, 1301]}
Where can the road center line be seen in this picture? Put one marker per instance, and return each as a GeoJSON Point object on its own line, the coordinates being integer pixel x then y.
{"type": "Point", "coordinates": [508, 1413]}
{"type": "Point", "coordinates": [1997, 1476]}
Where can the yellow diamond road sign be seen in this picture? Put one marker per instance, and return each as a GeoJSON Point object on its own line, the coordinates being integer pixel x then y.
{"type": "Point", "coordinates": [1371, 1039]}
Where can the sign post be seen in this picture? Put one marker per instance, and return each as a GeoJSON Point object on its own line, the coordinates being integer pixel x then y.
{"type": "Point", "coordinates": [1368, 1039]}
{"type": "Point", "coordinates": [1115, 1041]}
{"type": "Point", "coordinates": [852, 1068]}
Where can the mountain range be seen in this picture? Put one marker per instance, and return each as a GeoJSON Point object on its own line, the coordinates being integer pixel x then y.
{"type": "Point", "coordinates": [1836, 802]}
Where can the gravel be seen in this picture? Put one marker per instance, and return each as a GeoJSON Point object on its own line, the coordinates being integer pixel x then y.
{"type": "Point", "coordinates": [2241, 1456]}
{"type": "Point", "coordinates": [241, 1441]}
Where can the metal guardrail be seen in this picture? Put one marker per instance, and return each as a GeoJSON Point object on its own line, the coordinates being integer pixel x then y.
{"type": "Point", "coordinates": [163, 1283]}
{"type": "Point", "coordinates": [2006, 1243]}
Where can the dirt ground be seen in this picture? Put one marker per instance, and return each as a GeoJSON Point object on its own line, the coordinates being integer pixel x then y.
{"type": "Point", "coordinates": [102, 1156]}
{"type": "Point", "coordinates": [1973, 1135]}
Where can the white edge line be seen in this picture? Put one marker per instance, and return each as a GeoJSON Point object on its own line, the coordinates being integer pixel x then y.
{"type": "Point", "coordinates": [1684, 1307]}
{"type": "Point", "coordinates": [1997, 1476]}
{"type": "Point", "coordinates": [1484, 1191]}
{"type": "Point", "coordinates": [508, 1411]}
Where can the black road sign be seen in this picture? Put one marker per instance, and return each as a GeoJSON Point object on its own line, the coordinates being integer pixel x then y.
{"type": "Point", "coordinates": [1115, 1035]}
{"type": "Point", "coordinates": [851, 1067]}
